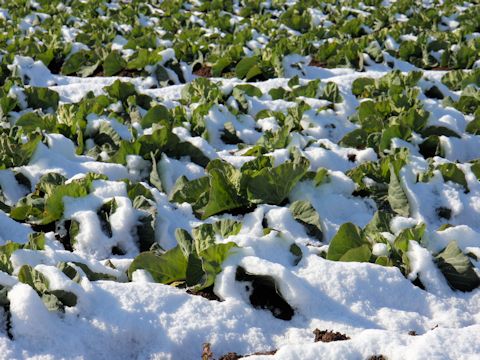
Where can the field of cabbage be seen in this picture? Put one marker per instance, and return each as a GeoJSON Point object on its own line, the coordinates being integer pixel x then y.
{"type": "Point", "coordinates": [239, 179]}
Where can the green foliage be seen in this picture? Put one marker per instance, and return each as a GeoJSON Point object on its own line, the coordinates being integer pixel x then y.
{"type": "Point", "coordinates": [155, 114]}
{"type": "Point", "coordinates": [201, 90]}
{"type": "Point", "coordinates": [120, 90]}
{"type": "Point", "coordinates": [305, 214]}
{"type": "Point", "coordinates": [227, 188]}
{"type": "Point", "coordinates": [42, 98]}
{"type": "Point", "coordinates": [195, 261]}
{"type": "Point", "coordinates": [13, 152]}
{"type": "Point", "coordinates": [113, 63]}
{"type": "Point", "coordinates": [396, 196]}
{"type": "Point", "coordinates": [349, 245]}
{"type": "Point", "coordinates": [166, 268]}
{"type": "Point", "coordinates": [457, 268]}
{"type": "Point", "coordinates": [248, 68]}
{"type": "Point", "coordinates": [45, 204]}
{"type": "Point", "coordinates": [375, 179]}
{"type": "Point", "coordinates": [451, 172]}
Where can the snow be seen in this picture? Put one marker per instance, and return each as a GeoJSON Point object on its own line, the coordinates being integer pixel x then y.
{"type": "Point", "coordinates": [12, 230]}
{"type": "Point", "coordinates": [426, 198]}
{"type": "Point", "coordinates": [334, 157]}
{"type": "Point", "coordinates": [171, 169]}
{"type": "Point", "coordinates": [142, 319]}
{"type": "Point", "coordinates": [334, 202]}
{"type": "Point", "coordinates": [37, 73]}
{"type": "Point", "coordinates": [431, 345]}
{"type": "Point", "coordinates": [46, 160]}
{"type": "Point", "coordinates": [10, 188]}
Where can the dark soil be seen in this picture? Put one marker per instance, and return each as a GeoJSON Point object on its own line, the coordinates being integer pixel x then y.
{"type": "Point", "coordinates": [418, 283]}
{"type": "Point", "coordinates": [65, 240]}
{"type": "Point", "coordinates": [7, 319]}
{"type": "Point", "coordinates": [412, 333]}
{"type": "Point", "coordinates": [56, 65]}
{"type": "Point", "coordinates": [429, 147]}
{"type": "Point", "coordinates": [206, 293]}
{"type": "Point", "coordinates": [9, 323]}
{"type": "Point", "coordinates": [128, 73]}
{"type": "Point", "coordinates": [230, 356]}
{"type": "Point", "coordinates": [271, 352]}
{"type": "Point", "coordinates": [43, 228]}
{"type": "Point", "coordinates": [235, 356]}
{"type": "Point", "coordinates": [116, 250]}
{"type": "Point", "coordinates": [434, 93]}
{"type": "Point", "coordinates": [264, 223]}
{"type": "Point", "coordinates": [98, 72]}
{"type": "Point", "coordinates": [328, 336]}
{"type": "Point", "coordinates": [204, 71]}
{"type": "Point", "coordinates": [351, 157]}
{"type": "Point", "coordinates": [316, 63]}
{"type": "Point", "coordinates": [444, 212]}
{"type": "Point", "coordinates": [441, 68]}
{"type": "Point", "coordinates": [377, 357]}
{"type": "Point", "coordinates": [316, 244]}
{"type": "Point", "coordinates": [265, 294]}
{"type": "Point", "coordinates": [124, 73]}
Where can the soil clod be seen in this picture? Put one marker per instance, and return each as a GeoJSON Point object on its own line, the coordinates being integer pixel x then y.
{"type": "Point", "coordinates": [235, 356]}
{"type": "Point", "coordinates": [328, 336]}
{"type": "Point", "coordinates": [204, 71]}
{"type": "Point", "coordinates": [230, 356]}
